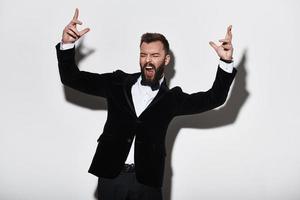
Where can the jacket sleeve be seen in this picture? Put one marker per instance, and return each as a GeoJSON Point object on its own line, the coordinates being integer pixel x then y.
{"type": "Point", "coordinates": [194, 103]}
{"type": "Point", "coordinates": [71, 76]}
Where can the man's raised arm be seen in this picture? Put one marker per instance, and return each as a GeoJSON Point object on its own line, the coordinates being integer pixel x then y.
{"type": "Point", "coordinates": [216, 96]}
{"type": "Point", "coordinates": [70, 75]}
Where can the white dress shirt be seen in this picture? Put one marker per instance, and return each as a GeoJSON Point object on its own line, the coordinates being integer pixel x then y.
{"type": "Point", "coordinates": [143, 95]}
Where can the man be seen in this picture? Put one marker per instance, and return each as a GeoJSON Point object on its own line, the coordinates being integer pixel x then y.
{"type": "Point", "coordinates": [140, 107]}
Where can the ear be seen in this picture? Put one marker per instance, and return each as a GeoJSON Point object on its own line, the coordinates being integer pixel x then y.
{"type": "Point", "coordinates": [167, 59]}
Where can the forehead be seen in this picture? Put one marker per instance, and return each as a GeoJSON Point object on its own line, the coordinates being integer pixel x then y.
{"type": "Point", "coordinates": [152, 47]}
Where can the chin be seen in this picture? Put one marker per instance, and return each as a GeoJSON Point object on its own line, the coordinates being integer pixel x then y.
{"type": "Point", "coordinates": [149, 78]}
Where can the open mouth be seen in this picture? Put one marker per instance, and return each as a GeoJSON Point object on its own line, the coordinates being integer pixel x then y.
{"type": "Point", "coordinates": [149, 71]}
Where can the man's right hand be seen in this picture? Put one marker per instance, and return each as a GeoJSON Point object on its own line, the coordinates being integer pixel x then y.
{"type": "Point", "coordinates": [70, 33]}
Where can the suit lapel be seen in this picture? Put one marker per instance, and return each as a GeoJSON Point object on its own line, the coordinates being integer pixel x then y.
{"type": "Point", "coordinates": [130, 80]}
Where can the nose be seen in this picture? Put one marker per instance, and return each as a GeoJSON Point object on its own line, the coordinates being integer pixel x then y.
{"type": "Point", "coordinates": [148, 58]}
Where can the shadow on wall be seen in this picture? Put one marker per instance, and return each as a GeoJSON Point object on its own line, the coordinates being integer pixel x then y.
{"type": "Point", "coordinates": [79, 98]}
{"type": "Point", "coordinates": [211, 119]}
{"type": "Point", "coordinates": [226, 115]}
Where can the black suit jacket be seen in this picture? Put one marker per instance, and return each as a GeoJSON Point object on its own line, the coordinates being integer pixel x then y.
{"type": "Point", "coordinates": [122, 123]}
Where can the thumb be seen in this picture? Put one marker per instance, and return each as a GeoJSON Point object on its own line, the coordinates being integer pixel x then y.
{"type": "Point", "coordinates": [213, 45]}
{"type": "Point", "coordinates": [84, 31]}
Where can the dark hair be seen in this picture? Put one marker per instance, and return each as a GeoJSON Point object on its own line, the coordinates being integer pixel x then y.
{"type": "Point", "coordinates": [153, 37]}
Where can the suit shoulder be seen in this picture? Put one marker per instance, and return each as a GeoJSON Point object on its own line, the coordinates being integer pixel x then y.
{"type": "Point", "coordinates": [176, 89]}
{"type": "Point", "coordinates": [120, 76]}
{"type": "Point", "coordinates": [177, 92]}
{"type": "Point", "coordinates": [121, 72]}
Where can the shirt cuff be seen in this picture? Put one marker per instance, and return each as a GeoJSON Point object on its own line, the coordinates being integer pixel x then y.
{"type": "Point", "coordinates": [227, 67]}
{"type": "Point", "coordinates": [66, 46]}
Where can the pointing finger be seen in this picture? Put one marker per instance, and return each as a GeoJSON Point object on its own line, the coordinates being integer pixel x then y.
{"type": "Point", "coordinates": [228, 33]}
{"type": "Point", "coordinates": [76, 14]}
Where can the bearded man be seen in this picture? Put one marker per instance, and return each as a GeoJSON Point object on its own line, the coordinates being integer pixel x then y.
{"type": "Point", "coordinates": [130, 155]}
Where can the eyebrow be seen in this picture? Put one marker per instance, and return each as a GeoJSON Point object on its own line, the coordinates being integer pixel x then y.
{"type": "Point", "coordinates": [150, 54]}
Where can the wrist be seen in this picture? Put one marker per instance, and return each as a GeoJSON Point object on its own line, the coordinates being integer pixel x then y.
{"type": "Point", "coordinates": [227, 60]}
{"type": "Point", "coordinates": [65, 46]}
{"type": "Point", "coordinates": [67, 42]}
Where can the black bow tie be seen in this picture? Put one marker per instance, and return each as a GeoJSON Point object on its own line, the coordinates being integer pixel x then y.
{"type": "Point", "coordinates": [154, 86]}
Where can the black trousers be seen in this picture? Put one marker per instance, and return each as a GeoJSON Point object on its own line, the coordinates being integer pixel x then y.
{"type": "Point", "coordinates": [126, 187]}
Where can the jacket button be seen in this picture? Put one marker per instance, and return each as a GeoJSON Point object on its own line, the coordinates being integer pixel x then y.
{"type": "Point", "coordinates": [128, 140]}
